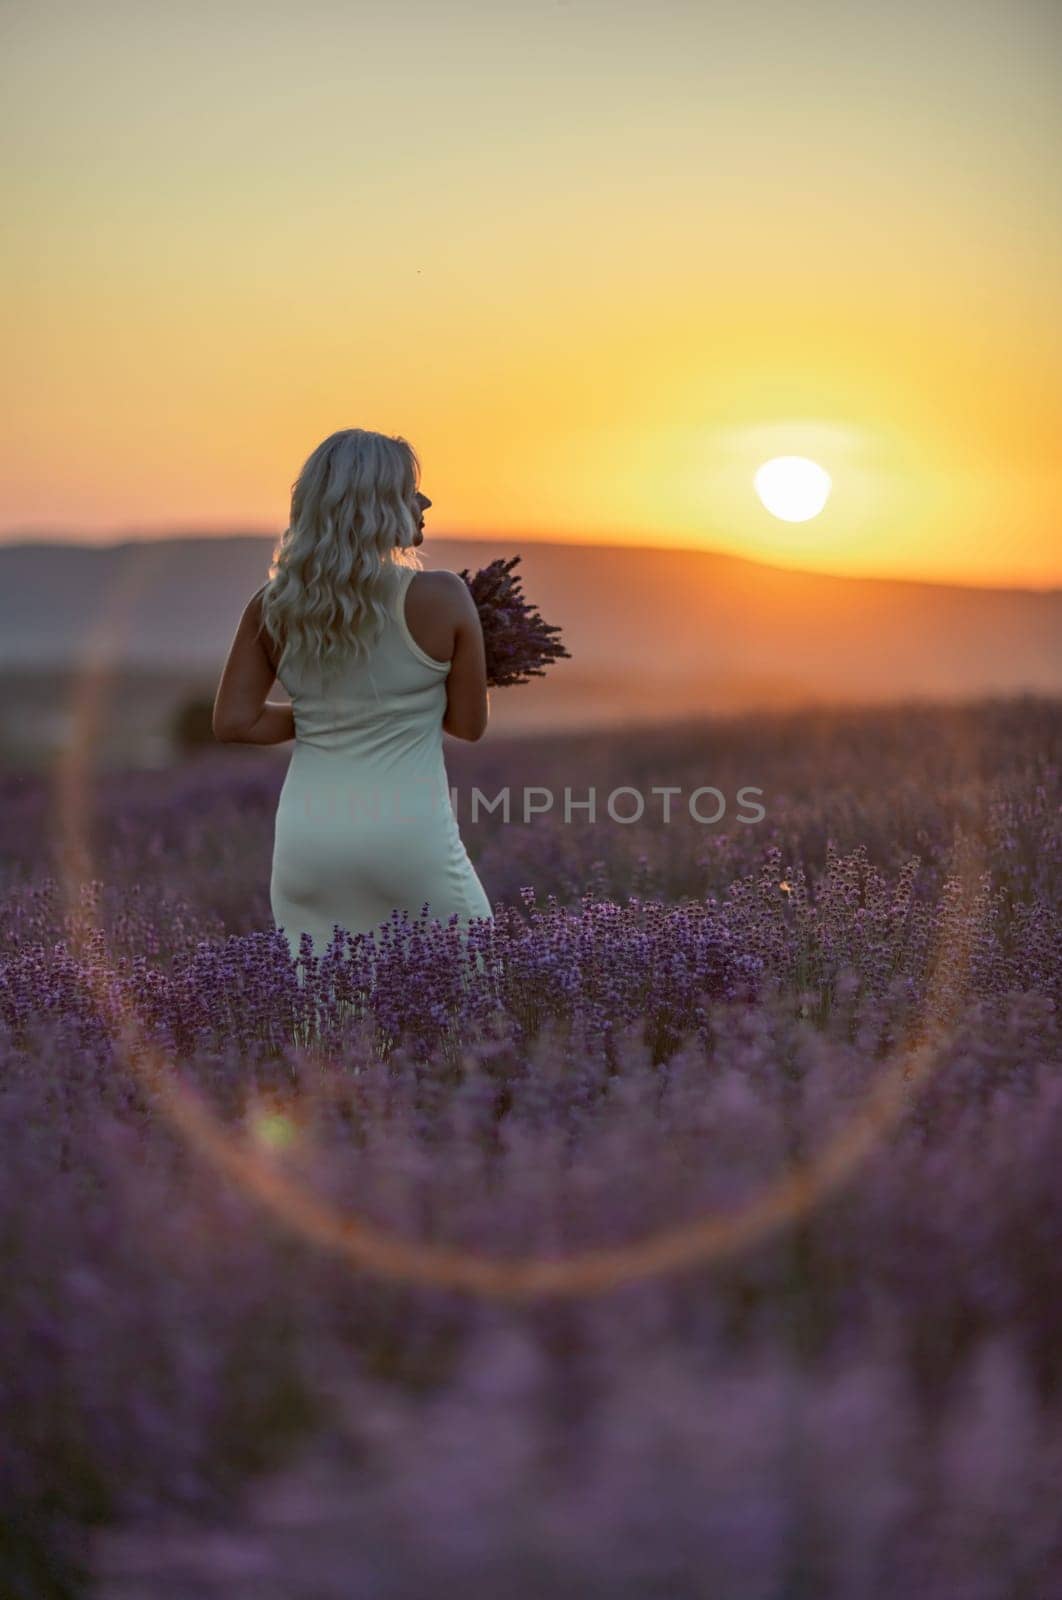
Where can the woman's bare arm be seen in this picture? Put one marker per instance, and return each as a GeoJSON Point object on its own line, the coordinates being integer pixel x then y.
{"type": "Point", "coordinates": [242, 714]}
{"type": "Point", "coordinates": [467, 699]}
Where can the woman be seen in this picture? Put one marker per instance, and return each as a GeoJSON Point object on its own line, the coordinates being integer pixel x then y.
{"type": "Point", "coordinates": [380, 659]}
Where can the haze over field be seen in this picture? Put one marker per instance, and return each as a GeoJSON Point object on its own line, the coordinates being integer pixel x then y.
{"type": "Point", "coordinates": [653, 633]}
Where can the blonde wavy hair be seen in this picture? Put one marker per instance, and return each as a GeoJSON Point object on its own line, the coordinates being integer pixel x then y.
{"type": "Point", "coordinates": [354, 518]}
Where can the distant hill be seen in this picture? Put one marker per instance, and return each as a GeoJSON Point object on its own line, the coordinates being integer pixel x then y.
{"type": "Point", "coordinates": [653, 633]}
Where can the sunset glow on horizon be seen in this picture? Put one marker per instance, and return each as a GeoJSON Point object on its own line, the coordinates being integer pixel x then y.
{"type": "Point", "coordinates": [599, 263]}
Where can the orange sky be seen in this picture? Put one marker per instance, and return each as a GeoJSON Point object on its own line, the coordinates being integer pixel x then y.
{"type": "Point", "coordinates": [596, 260]}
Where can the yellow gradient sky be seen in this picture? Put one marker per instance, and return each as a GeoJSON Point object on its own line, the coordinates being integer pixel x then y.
{"type": "Point", "coordinates": [596, 260]}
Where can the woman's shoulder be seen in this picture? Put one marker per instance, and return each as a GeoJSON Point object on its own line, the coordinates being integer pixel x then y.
{"type": "Point", "coordinates": [253, 610]}
{"type": "Point", "coordinates": [437, 613]}
{"type": "Point", "coordinates": [255, 616]}
{"type": "Point", "coordinates": [442, 587]}
{"type": "Point", "coordinates": [437, 577]}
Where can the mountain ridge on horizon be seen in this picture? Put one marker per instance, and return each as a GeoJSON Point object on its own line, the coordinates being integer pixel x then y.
{"type": "Point", "coordinates": [664, 634]}
{"type": "Point", "coordinates": [16, 541]}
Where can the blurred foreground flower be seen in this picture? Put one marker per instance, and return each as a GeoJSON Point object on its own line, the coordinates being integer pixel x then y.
{"type": "Point", "coordinates": [519, 644]}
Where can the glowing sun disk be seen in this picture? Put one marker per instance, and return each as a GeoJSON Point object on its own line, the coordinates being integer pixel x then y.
{"type": "Point", "coordinates": [792, 487]}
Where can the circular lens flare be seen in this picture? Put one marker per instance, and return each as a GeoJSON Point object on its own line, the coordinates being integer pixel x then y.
{"type": "Point", "coordinates": [249, 1160]}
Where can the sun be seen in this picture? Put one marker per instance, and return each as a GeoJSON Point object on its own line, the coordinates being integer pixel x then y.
{"type": "Point", "coordinates": [792, 487]}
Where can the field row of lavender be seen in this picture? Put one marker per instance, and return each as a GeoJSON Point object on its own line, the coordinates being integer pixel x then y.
{"type": "Point", "coordinates": [430, 1266]}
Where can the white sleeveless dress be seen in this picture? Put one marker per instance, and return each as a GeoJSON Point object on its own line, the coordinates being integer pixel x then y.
{"type": "Point", "coordinates": [364, 822]}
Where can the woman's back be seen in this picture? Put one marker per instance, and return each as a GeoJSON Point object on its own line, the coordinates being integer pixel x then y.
{"type": "Point", "coordinates": [391, 692]}
{"type": "Point", "coordinates": [364, 821]}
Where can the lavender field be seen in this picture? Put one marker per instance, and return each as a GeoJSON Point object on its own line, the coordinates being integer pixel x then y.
{"type": "Point", "coordinates": [445, 1267]}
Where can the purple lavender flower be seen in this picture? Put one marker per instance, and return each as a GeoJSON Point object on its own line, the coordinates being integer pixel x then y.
{"type": "Point", "coordinates": [520, 645]}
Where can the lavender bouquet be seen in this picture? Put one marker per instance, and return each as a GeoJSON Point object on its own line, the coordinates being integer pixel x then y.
{"type": "Point", "coordinates": [519, 644]}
